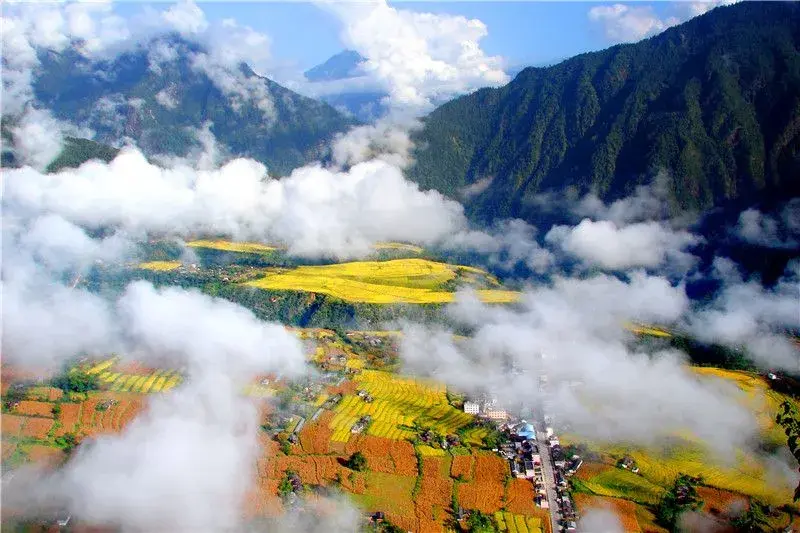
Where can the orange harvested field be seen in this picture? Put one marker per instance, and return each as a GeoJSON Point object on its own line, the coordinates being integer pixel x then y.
{"type": "Point", "coordinates": [716, 501]}
{"type": "Point", "coordinates": [434, 497]}
{"type": "Point", "coordinates": [375, 450]}
{"type": "Point", "coordinates": [38, 428]}
{"type": "Point", "coordinates": [462, 466]}
{"type": "Point", "coordinates": [406, 523]}
{"type": "Point", "coordinates": [70, 415]}
{"type": "Point", "coordinates": [45, 454]}
{"type": "Point", "coordinates": [486, 491]}
{"type": "Point", "coordinates": [128, 413]}
{"type": "Point", "coordinates": [314, 437]}
{"type": "Point", "coordinates": [12, 424]}
{"type": "Point", "coordinates": [519, 497]}
{"type": "Point", "coordinates": [304, 467]}
{"type": "Point", "coordinates": [8, 449]}
{"type": "Point", "coordinates": [624, 509]}
{"type": "Point", "coordinates": [34, 408]}
{"type": "Point", "coordinates": [328, 467]}
{"type": "Point", "coordinates": [588, 470]}
{"type": "Point", "coordinates": [348, 387]}
{"type": "Point", "coordinates": [405, 461]}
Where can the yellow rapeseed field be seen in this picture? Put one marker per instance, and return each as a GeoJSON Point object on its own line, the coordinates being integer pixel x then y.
{"type": "Point", "coordinates": [416, 281]}
{"type": "Point", "coordinates": [160, 265]}
{"type": "Point", "coordinates": [397, 401]}
{"type": "Point", "coordinates": [229, 246]}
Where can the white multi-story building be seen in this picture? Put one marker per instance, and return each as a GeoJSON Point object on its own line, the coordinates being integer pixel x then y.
{"type": "Point", "coordinates": [472, 408]}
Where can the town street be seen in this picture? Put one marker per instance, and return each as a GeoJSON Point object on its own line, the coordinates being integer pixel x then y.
{"type": "Point", "coordinates": [549, 479]}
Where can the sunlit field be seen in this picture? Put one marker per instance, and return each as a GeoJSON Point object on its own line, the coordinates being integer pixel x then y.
{"type": "Point", "coordinates": [230, 246]}
{"type": "Point", "coordinates": [161, 266]}
{"type": "Point", "coordinates": [417, 281]}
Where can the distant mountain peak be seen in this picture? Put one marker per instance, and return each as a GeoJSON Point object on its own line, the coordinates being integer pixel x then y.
{"type": "Point", "coordinates": [345, 64]}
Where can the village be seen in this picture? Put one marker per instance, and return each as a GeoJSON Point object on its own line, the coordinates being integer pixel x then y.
{"type": "Point", "coordinates": [533, 452]}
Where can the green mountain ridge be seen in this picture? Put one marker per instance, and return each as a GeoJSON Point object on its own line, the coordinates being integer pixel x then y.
{"type": "Point", "coordinates": [119, 98]}
{"type": "Point", "coordinates": [715, 102]}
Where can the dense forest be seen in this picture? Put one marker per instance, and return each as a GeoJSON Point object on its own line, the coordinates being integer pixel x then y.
{"type": "Point", "coordinates": [712, 104]}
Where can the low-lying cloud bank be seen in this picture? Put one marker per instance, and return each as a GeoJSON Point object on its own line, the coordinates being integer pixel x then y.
{"type": "Point", "coordinates": [314, 211]}
{"type": "Point", "coordinates": [597, 384]}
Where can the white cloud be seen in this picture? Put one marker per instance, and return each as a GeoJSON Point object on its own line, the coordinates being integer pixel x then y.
{"type": "Point", "coordinates": [623, 22]}
{"type": "Point", "coordinates": [506, 245]}
{"type": "Point", "coordinates": [600, 521]}
{"type": "Point", "coordinates": [315, 211]}
{"type": "Point", "coordinates": [98, 33]}
{"type": "Point", "coordinates": [774, 231]}
{"type": "Point", "coordinates": [420, 58]}
{"type": "Point", "coordinates": [186, 18]}
{"type": "Point", "coordinates": [387, 140]}
{"type": "Point", "coordinates": [748, 315]}
{"type": "Point", "coordinates": [37, 138]}
{"type": "Point", "coordinates": [167, 98]}
{"type": "Point", "coordinates": [632, 22]}
{"type": "Point", "coordinates": [597, 383]}
{"type": "Point", "coordinates": [603, 243]}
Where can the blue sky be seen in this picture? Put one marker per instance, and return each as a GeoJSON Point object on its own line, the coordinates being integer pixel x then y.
{"type": "Point", "coordinates": [525, 33]}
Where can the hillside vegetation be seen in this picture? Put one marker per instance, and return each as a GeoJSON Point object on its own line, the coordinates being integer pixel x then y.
{"type": "Point", "coordinates": [715, 102]}
{"type": "Point", "coordinates": [122, 102]}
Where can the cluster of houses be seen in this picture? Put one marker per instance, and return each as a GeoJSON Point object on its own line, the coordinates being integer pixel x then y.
{"type": "Point", "coordinates": [366, 396]}
{"type": "Point", "coordinates": [563, 468]}
{"type": "Point", "coordinates": [488, 408]}
{"type": "Point", "coordinates": [361, 424]}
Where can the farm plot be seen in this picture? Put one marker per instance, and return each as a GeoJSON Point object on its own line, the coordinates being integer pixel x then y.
{"type": "Point", "coordinates": [34, 408]}
{"type": "Point", "coordinates": [620, 483]}
{"type": "Point", "coordinates": [380, 282]}
{"type": "Point", "coordinates": [229, 246]}
{"type": "Point", "coordinates": [11, 425]}
{"type": "Point", "coordinates": [37, 428]}
{"type": "Point", "coordinates": [398, 402]}
{"type": "Point", "coordinates": [462, 467]}
{"type": "Point", "coordinates": [519, 497]}
{"type": "Point", "coordinates": [160, 266]}
{"type": "Point", "coordinates": [388, 492]}
{"type": "Point", "coordinates": [515, 523]}
{"type": "Point", "coordinates": [747, 476]}
{"type": "Point", "coordinates": [625, 510]}
{"type": "Point", "coordinates": [434, 497]}
{"type": "Point", "coordinates": [486, 491]}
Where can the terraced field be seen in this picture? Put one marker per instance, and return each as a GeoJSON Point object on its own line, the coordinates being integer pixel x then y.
{"type": "Point", "coordinates": [418, 281]}
{"type": "Point", "coordinates": [230, 246]}
{"type": "Point", "coordinates": [160, 266]}
{"type": "Point", "coordinates": [397, 402]}
{"type": "Point", "coordinates": [151, 381]}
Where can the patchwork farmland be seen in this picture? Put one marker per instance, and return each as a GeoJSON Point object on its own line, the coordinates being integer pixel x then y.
{"type": "Point", "coordinates": [417, 482]}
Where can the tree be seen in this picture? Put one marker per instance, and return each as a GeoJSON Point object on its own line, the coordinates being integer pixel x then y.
{"type": "Point", "coordinates": [754, 520]}
{"type": "Point", "coordinates": [681, 497]}
{"type": "Point", "coordinates": [357, 462]}
{"type": "Point", "coordinates": [67, 442]}
{"type": "Point", "coordinates": [479, 522]}
{"type": "Point", "coordinates": [789, 419]}
{"type": "Point", "coordinates": [76, 381]}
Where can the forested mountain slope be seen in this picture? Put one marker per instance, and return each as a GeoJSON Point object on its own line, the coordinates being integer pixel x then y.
{"type": "Point", "coordinates": [714, 102]}
{"type": "Point", "coordinates": [156, 107]}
